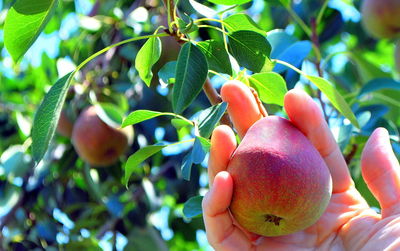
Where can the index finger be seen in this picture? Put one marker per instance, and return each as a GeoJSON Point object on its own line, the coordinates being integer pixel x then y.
{"type": "Point", "coordinates": [243, 108]}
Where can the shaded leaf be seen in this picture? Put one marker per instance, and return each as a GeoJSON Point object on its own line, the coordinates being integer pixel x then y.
{"type": "Point", "coordinates": [46, 117]}
{"type": "Point", "coordinates": [186, 168]}
{"type": "Point", "coordinates": [192, 207]}
{"type": "Point", "coordinates": [191, 72]}
{"type": "Point", "coordinates": [167, 73]}
{"type": "Point", "coordinates": [210, 117]}
{"type": "Point", "coordinates": [217, 56]}
{"type": "Point", "coordinates": [367, 70]}
{"type": "Point", "coordinates": [293, 54]}
{"type": "Point", "coordinates": [109, 114]}
{"type": "Point", "coordinates": [198, 151]}
{"type": "Point", "coordinates": [379, 84]}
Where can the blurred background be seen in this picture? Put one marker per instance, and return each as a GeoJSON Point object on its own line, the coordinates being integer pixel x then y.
{"type": "Point", "coordinates": [55, 205]}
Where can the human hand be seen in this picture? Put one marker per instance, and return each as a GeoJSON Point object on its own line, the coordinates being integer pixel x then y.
{"type": "Point", "coordinates": [347, 224]}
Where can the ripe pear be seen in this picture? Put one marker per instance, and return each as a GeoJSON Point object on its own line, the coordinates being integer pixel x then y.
{"type": "Point", "coordinates": [65, 125]}
{"type": "Point", "coordinates": [98, 143]}
{"type": "Point", "coordinates": [381, 18]}
{"type": "Point", "coordinates": [281, 184]}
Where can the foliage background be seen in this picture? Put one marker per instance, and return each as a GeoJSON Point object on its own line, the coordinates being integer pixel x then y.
{"type": "Point", "coordinates": [51, 206]}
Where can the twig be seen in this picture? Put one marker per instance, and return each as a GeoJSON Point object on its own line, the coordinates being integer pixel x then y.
{"type": "Point", "coordinates": [211, 93]}
{"type": "Point", "coordinates": [95, 9]}
{"type": "Point", "coordinates": [169, 4]}
{"type": "Point", "coordinates": [315, 41]}
{"type": "Point", "coordinates": [349, 157]}
{"type": "Point", "coordinates": [214, 99]}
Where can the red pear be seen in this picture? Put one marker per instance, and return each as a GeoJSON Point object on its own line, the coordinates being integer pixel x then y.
{"type": "Point", "coordinates": [281, 183]}
{"type": "Point", "coordinates": [96, 142]}
{"type": "Point", "coordinates": [381, 18]}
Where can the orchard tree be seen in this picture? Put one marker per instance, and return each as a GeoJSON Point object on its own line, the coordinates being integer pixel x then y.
{"type": "Point", "coordinates": [107, 107]}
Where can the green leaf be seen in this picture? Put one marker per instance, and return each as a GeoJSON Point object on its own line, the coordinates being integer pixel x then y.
{"type": "Point", "coordinates": [210, 117]}
{"type": "Point", "coordinates": [187, 28]}
{"type": "Point", "coordinates": [89, 244]}
{"type": "Point", "coordinates": [192, 208]}
{"type": "Point", "coordinates": [285, 3]}
{"type": "Point", "coordinates": [147, 56]}
{"type": "Point", "coordinates": [251, 50]}
{"type": "Point", "coordinates": [201, 147]}
{"type": "Point", "coordinates": [109, 114]}
{"type": "Point", "coordinates": [46, 118]}
{"type": "Point", "coordinates": [14, 162]}
{"type": "Point", "coordinates": [203, 10]}
{"type": "Point", "coordinates": [199, 151]}
{"type": "Point", "coordinates": [242, 21]}
{"type": "Point", "coordinates": [379, 84]}
{"type": "Point", "coordinates": [367, 70]}
{"type": "Point", "coordinates": [334, 97]}
{"type": "Point", "coordinates": [166, 74]}
{"type": "Point", "coordinates": [10, 195]}
{"type": "Point", "coordinates": [270, 86]}
{"type": "Point", "coordinates": [217, 56]}
{"type": "Point", "coordinates": [138, 157]}
{"type": "Point", "coordinates": [229, 2]}
{"type": "Point", "coordinates": [186, 168]}
{"type": "Point", "coordinates": [142, 115]}
{"type": "Point", "coordinates": [179, 123]}
{"type": "Point", "coordinates": [191, 72]}
{"type": "Point", "coordinates": [24, 22]}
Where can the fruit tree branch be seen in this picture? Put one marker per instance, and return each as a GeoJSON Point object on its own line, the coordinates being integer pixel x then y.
{"type": "Point", "coordinates": [215, 99]}
{"type": "Point", "coordinates": [315, 41]}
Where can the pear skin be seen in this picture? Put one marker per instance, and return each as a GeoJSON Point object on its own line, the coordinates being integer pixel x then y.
{"type": "Point", "coordinates": [281, 183]}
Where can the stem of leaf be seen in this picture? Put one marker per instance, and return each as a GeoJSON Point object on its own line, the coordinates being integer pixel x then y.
{"type": "Point", "coordinates": [214, 99]}
{"type": "Point", "coordinates": [180, 117]}
{"type": "Point", "coordinates": [322, 11]}
{"type": "Point", "coordinates": [211, 93]}
{"type": "Point", "coordinates": [289, 66]}
{"type": "Point", "coordinates": [298, 20]}
{"type": "Point", "coordinates": [212, 27]}
{"type": "Point", "coordinates": [218, 74]}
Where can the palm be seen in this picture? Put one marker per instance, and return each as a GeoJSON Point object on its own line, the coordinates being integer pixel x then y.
{"type": "Point", "coordinates": [347, 224]}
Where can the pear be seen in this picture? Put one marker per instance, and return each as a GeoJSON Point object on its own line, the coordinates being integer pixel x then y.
{"type": "Point", "coordinates": [281, 183]}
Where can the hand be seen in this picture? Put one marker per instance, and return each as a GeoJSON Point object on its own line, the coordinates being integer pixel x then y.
{"type": "Point", "coordinates": [347, 224]}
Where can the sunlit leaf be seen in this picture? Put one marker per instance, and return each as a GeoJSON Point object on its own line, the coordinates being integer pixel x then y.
{"type": "Point", "coordinates": [138, 157]}
{"type": "Point", "coordinates": [271, 87]}
{"type": "Point", "coordinates": [251, 50]}
{"type": "Point", "coordinates": [147, 56]}
{"type": "Point", "coordinates": [335, 98]}
{"type": "Point", "coordinates": [241, 21]}
{"type": "Point", "coordinates": [24, 22]}
{"type": "Point", "coordinates": [229, 2]}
